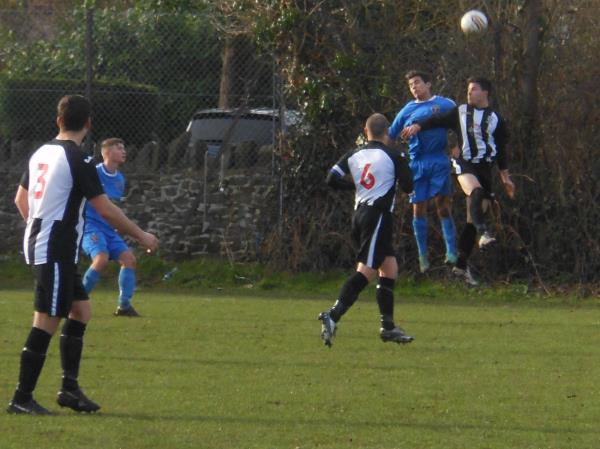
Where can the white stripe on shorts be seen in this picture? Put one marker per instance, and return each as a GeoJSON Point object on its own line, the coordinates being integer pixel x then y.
{"type": "Point", "coordinates": [55, 285]}
{"type": "Point", "coordinates": [373, 242]}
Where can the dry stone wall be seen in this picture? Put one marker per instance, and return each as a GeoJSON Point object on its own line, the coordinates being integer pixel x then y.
{"type": "Point", "coordinates": [238, 215]}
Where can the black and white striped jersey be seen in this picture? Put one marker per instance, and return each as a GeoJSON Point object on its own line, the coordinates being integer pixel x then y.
{"type": "Point", "coordinates": [482, 133]}
{"type": "Point", "coordinates": [58, 179]}
{"type": "Point", "coordinates": [374, 168]}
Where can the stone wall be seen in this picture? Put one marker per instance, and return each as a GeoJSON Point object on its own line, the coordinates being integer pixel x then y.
{"type": "Point", "coordinates": [239, 213]}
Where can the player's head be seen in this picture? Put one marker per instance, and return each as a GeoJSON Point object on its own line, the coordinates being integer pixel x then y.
{"type": "Point", "coordinates": [73, 113]}
{"type": "Point", "coordinates": [113, 150]}
{"type": "Point", "coordinates": [478, 91]}
{"type": "Point", "coordinates": [419, 84]}
{"type": "Point", "coordinates": [376, 127]}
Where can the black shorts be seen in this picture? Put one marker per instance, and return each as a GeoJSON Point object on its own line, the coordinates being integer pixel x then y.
{"type": "Point", "coordinates": [372, 231]}
{"type": "Point", "coordinates": [482, 171]}
{"type": "Point", "coordinates": [57, 285]}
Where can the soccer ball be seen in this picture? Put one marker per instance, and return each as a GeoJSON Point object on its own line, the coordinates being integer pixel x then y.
{"type": "Point", "coordinates": [474, 22]}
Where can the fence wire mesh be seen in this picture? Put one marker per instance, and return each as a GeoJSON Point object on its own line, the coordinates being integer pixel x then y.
{"type": "Point", "coordinates": [199, 109]}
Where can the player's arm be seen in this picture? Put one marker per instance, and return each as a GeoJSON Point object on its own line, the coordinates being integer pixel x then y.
{"type": "Point", "coordinates": [336, 178]}
{"type": "Point", "coordinates": [404, 174]}
{"type": "Point", "coordinates": [21, 198]}
{"type": "Point", "coordinates": [396, 126]}
{"type": "Point", "coordinates": [501, 138]}
{"type": "Point", "coordinates": [116, 218]}
{"type": "Point", "coordinates": [449, 120]}
{"type": "Point", "coordinates": [22, 202]}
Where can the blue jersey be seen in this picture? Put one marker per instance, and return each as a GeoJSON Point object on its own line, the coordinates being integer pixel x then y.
{"type": "Point", "coordinates": [114, 187]}
{"type": "Point", "coordinates": [430, 144]}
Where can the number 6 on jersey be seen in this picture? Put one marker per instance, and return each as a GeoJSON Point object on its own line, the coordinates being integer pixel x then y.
{"type": "Point", "coordinates": [367, 180]}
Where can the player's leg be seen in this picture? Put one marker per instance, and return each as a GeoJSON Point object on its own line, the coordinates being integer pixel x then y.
{"type": "Point", "coordinates": [346, 298]}
{"type": "Point", "coordinates": [71, 349]}
{"type": "Point", "coordinates": [349, 292]}
{"type": "Point", "coordinates": [388, 272]}
{"type": "Point", "coordinates": [466, 243]}
{"type": "Point", "coordinates": [52, 301]}
{"type": "Point", "coordinates": [442, 203]}
{"type": "Point", "coordinates": [95, 246]}
{"type": "Point", "coordinates": [118, 250]}
{"type": "Point", "coordinates": [33, 357]}
{"type": "Point", "coordinates": [364, 233]}
{"type": "Point", "coordinates": [127, 280]}
{"type": "Point", "coordinates": [440, 189]}
{"type": "Point", "coordinates": [419, 200]}
{"type": "Point", "coordinates": [420, 229]}
{"type": "Point", "coordinates": [92, 275]}
{"type": "Point", "coordinates": [477, 195]}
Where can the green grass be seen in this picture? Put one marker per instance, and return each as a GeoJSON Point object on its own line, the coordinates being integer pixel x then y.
{"type": "Point", "coordinates": [222, 371]}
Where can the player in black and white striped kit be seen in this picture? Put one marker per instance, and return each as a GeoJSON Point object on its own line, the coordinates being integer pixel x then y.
{"type": "Point", "coordinates": [51, 198]}
{"type": "Point", "coordinates": [482, 137]}
{"type": "Point", "coordinates": [374, 170]}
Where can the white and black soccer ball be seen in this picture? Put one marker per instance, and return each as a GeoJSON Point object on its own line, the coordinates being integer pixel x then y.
{"type": "Point", "coordinates": [474, 22]}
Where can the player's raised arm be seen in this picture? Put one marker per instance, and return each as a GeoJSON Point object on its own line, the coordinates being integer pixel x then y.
{"type": "Point", "coordinates": [448, 120]}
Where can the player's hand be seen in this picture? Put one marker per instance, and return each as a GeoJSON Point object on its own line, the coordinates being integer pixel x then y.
{"type": "Point", "coordinates": [509, 187]}
{"type": "Point", "coordinates": [410, 131]}
{"type": "Point", "coordinates": [455, 152]}
{"type": "Point", "coordinates": [148, 241]}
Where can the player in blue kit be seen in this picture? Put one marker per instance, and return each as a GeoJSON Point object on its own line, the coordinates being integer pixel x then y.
{"type": "Point", "coordinates": [101, 241]}
{"type": "Point", "coordinates": [429, 163]}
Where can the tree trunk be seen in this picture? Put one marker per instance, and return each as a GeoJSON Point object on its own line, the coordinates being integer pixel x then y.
{"type": "Point", "coordinates": [532, 35]}
{"type": "Point", "coordinates": [226, 73]}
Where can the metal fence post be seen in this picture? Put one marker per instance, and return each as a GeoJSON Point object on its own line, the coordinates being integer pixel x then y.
{"type": "Point", "coordinates": [89, 69]}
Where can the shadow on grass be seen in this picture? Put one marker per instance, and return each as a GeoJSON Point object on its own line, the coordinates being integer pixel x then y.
{"type": "Point", "coordinates": [389, 424]}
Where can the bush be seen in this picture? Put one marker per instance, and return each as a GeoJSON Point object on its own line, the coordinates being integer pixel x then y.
{"type": "Point", "coordinates": [28, 109]}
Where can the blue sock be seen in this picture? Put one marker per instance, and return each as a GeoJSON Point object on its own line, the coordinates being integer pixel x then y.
{"type": "Point", "coordinates": [126, 286]}
{"type": "Point", "coordinates": [420, 230]}
{"type": "Point", "coordinates": [90, 279]}
{"type": "Point", "coordinates": [449, 232]}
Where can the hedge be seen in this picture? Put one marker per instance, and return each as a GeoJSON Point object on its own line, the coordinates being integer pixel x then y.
{"type": "Point", "coordinates": [28, 109]}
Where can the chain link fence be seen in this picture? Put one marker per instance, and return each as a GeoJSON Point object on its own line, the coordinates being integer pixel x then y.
{"type": "Point", "coordinates": [199, 107]}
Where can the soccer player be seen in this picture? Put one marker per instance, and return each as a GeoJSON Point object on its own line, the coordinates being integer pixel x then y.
{"type": "Point", "coordinates": [50, 197]}
{"type": "Point", "coordinates": [482, 138]}
{"type": "Point", "coordinates": [374, 170]}
{"type": "Point", "coordinates": [429, 163]}
{"type": "Point", "coordinates": [100, 240]}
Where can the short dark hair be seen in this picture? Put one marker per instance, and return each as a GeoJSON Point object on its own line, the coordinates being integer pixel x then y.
{"type": "Point", "coordinates": [75, 111]}
{"type": "Point", "coordinates": [426, 77]}
{"type": "Point", "coordinates": [484, 83]}
{"type": "Point", "coordinates": [377, 125]}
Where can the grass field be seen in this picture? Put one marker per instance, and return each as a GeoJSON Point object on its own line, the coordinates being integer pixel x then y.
{"type": "Point", "coordinates": [221, 371]}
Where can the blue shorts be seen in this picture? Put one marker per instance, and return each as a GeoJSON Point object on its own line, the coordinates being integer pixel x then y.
{"type": "Point", "coordinates": [96, 241]}
{"type": "Point", "coordinates": [431, 178]}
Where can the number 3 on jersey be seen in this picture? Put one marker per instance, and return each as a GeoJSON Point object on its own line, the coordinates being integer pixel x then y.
{"type": "Point", "coordinates": [367, 180]}
{"type": "Point", "coordinates": [40, 185]}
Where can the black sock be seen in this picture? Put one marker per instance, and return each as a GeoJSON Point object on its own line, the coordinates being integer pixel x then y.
{"type": "Point", "coordinates": [476, 209]}
{"type": "Point", "coordinates": [33, 357]}
{"type": "Point", "coordinates": [348, 295]}
{"type": "Point", "coordinates": [385, 300]}
{"type": "Point", "coordinates": [466, 242]}
{"type": "Point", "coordinates": [71, 346]}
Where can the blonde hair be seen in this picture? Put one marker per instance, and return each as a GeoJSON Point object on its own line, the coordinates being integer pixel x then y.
{"type": "Point", "coordinates": [106, 144]}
